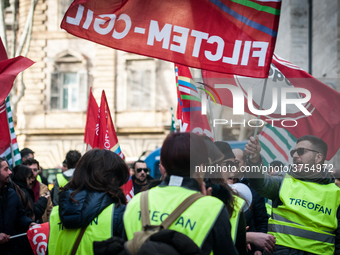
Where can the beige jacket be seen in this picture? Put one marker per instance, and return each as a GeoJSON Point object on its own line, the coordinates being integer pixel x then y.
{"type": "Point", "coordinates": [43, 192]}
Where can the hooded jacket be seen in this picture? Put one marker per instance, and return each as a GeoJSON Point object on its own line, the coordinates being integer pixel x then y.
{"type": "Point", "coordinates": [91, 204]}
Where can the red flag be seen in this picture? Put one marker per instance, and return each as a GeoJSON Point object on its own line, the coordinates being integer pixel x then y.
{"type": "Point", "coordinates": [107, 135]}
{"type": "Point", "coordinates": [189, 104]}
{"type": "Point", "coordinates": [229, 36]}
{"type": "Point", "coordinates": [108, 140]}
{"type": "Point", "coordinates": [5, 139]}
{"type": "Point", "coordinates": [92, 125]}
{"type": "Point", "coordinates": [324, 104]}
{"type": "Point", "coordinates": [128, 189]}
{"type": "Point", "coordinates": [38, 237]}
{"type": "Point", "coordinates": [9, 69]}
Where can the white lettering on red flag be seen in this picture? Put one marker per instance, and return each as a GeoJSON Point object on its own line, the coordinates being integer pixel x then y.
{"type": "Point", "coordinates": [227, 36]}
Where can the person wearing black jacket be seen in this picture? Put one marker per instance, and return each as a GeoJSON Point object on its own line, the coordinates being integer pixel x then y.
{"type": "Point", "coordinates": [23, 178]}
{"type": "Point", "coordinates": [11, 212]}
{"type": "Point", "coordinates": [141, 177]}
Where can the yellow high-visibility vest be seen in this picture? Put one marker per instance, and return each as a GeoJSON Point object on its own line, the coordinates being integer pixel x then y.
{"type": "Point", "coordinates": [62, 181]}
{"type": "Point", "coordinates": [234, 219]}
{"type": "Point", "coordinates": [195, 222]}
{"type": "Point", "coordinates": [269, 205]}
{"type": "Point", "coordinates": [61, 239]}
{"type": "Point", "coordinates": [39, 178]}
{"type": "Point", "coordinates": [307, 219]}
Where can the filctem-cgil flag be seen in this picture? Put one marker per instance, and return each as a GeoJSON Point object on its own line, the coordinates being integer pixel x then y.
{"type": "Point", "coordinates": [188, 32]}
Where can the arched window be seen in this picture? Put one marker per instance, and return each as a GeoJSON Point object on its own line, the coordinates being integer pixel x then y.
{"type": "Point", "coordinates": [69, 82]}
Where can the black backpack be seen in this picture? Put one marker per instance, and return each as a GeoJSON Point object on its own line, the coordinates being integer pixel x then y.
{"type": "Point", "coordinates": [153, 239]}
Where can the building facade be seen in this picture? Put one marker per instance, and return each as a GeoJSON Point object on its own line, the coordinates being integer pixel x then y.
{"type": "Point", "coordinates": [140, 90]}
{"type": "Point", "coordinates": [52, 114]}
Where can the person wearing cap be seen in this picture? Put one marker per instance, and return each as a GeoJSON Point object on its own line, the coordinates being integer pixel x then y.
{"type": "Point", "coordinates": [306, 202]}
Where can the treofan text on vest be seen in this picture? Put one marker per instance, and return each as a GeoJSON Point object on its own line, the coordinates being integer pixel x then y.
{"type": "Point", "coordinates": [310, 206]}
{"type": "Point", "coordinates": [156, 216]}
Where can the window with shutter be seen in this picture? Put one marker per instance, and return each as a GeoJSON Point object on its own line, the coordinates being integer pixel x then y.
{"type": "Point", "coordinates": [69, 84]}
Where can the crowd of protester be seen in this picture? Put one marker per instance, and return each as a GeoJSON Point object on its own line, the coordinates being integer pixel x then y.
{"type": "Point", "coordinates": [229, 212]}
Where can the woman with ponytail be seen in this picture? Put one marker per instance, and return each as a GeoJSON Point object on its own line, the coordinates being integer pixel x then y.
{"type": "Point", "coordinates": [91, 204]}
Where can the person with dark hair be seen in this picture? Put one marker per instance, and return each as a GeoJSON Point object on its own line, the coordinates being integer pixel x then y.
{"type": "Point", "coordinates": [39, 189]}
{"type": "Point", "coordinates": [23, 177]}
{"type": "Point", "coordinates": [26, 153]}
{"type": "Point", "coordinates": [92, 202]}
{"type": "Point", "coordinates": [12, 214]}
{"type": "Point", "coordinates": [305, 216]}
{"type": "Point", "coordinates": [229, 160]}
{"type": "Point", "coordinates": [141, 178]}
{"type": "Point", "coordinates": [206, 221]}
{"type": "Point", "coordinates": [256, 215]}
{"type": "Point", "coordinates": [276, 167]}
{"type": "Point", "coordinates": [218, 187]}
{"type": "Point", "coordinates": [71, 160]}
{"type": "Point", "coordinates": [35, 185]}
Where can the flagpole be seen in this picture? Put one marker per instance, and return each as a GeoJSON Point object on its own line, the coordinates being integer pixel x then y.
{"type": "Point", "coordinates": [84, 144]}
{"type": "Point", "coordinates": [212, 118]}
{"type": "Point", "coordinates": [261, 105]}
{"type": "Point", "coordinates": [10, 136]}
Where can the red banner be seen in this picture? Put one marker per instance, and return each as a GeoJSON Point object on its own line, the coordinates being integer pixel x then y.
{"type": "Point", "coordinates": [90, 135]}
{"type": "Point", "coordinates": [107, 135]}
{"type": "Point", "coordinates": [189, 104]}
{"type": "Point", "coordinates": [108, 140]}
{"type": "Point", "coordinates": [294, 100]}
{"type": "Point", "coordinates": [128, 190]}
{"type": "Point", "coordinates": [9, 69]}
{"type": "Point", "coordinates": [229, 36]}
{"type": "Point", "coordinates": [38, 238]}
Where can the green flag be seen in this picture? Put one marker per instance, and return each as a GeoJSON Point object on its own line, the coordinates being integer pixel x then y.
{"type": "Point", "coordinates": [173, 124]}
